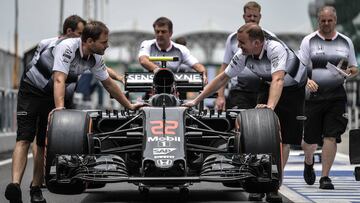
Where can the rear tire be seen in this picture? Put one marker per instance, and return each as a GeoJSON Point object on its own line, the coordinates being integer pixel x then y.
{"type": "Point", "coordinates": [67, 134]}
{"type": "Point", "coordinates": [260, 134]}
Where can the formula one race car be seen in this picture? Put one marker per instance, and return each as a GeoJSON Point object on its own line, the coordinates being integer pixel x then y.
{"type": "Point", "coordinates": [163, 144]}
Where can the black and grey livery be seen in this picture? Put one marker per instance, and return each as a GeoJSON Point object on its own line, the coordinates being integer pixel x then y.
{"type": "Point", "coordinates": [163, 145]}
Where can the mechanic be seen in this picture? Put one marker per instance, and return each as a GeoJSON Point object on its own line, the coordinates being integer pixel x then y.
{"type": "Point", "coordinates": [163, 46]}
{"type": "Point", "coordinates": [42, 88]}
{"type": "Point", "coordinates": [326, 104]}
{"type": "Point", "coordinates": [272, 61]}
{"type": "Point", "coordinates": [244, 89]}
{"type": "Point", "coordinates": [72, 27]}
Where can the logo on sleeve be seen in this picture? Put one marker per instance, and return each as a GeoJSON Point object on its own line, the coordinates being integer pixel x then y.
{"type": "Point", "coordinates": [102, 64]}
{"type": "Point", "coordinates": [67, 55]}
{"type": "Point", "coordinates": [275, 62]}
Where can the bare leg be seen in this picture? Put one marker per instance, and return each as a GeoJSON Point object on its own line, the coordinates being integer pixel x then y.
{"type": "Point", "coordinates": [328, 155]}
{"type": "Point", "coordinates": [38, 173]}
{"type": "Point", "coordinates": [285, 154]}
{"type": "Point", "coordinates": [309, 150]}
{"type": "Point", "coordinates": [19, 160]}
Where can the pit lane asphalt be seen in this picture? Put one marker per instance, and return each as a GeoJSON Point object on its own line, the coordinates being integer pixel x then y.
{"type": "Point", "coordinates": [293, 188]}
{"type": "Point", "coordinates": [125, 192]}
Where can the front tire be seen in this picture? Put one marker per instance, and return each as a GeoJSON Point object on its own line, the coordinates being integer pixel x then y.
{"type": "Point", "coordinates": [68, 132]}
{"type": "Point", "coordinates": [260, 134]}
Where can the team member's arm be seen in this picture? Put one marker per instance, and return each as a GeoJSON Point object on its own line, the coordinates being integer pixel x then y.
{"type": "Point", "coordinates": [235, 67]}
{"type": "Point", "coordinates": [201, 69]}
{"type": "Point", "coordinates": [147, 64]}
{"type": "Point", "coordinates": [276, 88]}
{"type": "Point", "coordinates": [116, 92]}
{"type": "Point", "coordinates": [144, 54]}
{"type": "Point", "coordinates": [115, 76]}
{"type": "Point", "coordinates": [304, 56]}
{"type": "Point", "coordinates": [218, 82]}
{"type": "Point", "coordinates": [100, 72]}
{"type": "Point", "coordinates": [220, 100]}
{"type": "Point", "coordinates": [191, 61]}
{"type": "Point", "coordinates": [278, 57]}
{"type": "Point", "coordinates": [63, 55]}
{"type": "Point", "coordinates": [352, 69]}
{"type": "Point", "coordinates": [59, 89]}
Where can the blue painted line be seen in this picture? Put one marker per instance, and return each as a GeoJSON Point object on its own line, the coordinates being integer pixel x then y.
{"type": "Point", "coordinates": [318, 173]}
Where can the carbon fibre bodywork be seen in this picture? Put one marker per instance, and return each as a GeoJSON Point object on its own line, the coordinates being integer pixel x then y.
{"type": "Point", "coordinates": [156, 146]}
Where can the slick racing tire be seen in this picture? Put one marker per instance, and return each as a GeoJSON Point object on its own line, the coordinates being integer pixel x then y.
{"type": "Point", "coordinates": [260, 134]}
{"type": "Point", "coordinates": [67, 134]}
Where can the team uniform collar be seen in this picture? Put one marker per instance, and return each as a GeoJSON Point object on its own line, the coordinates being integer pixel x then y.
{"type": "Point", "coordinates": [81, 51]}
{"type": "Point", "coordinates": [263, 49]}
{"type": "Point", "coordinates": [323, 38]}
{"type": "Point", "coordinates": [167, 49]}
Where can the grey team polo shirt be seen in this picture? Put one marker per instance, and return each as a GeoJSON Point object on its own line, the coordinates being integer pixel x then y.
{"type": "Point", "coordinates": [275, 56]}
{"type": "Point", "coordinates": [150, 48]}
{"type": "Point", "coordinates": [315, 52]}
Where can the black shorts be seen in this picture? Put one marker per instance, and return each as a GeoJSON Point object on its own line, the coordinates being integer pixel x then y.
{"type": "Point", "coordinates": [32, 116]}
{"type": "Point", "coordinates": [289, 107]}
{"type": "Point", "coordinates": [325, 118]}
{"type": "Point", "coordinates": [241, 99]}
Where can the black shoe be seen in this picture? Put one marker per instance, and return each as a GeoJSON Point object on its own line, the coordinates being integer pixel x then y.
{"type": "Point", "coordinates": [309, 173]}
{"type": "Point", "coordinates": [325, 183]}
{"type": "Point", "coordinates": [36, 195]}
{"type": "Point", "coordinates": [13, 193]}
{"type": "Point", "coordinates": [256, 196]}
{"type": "Point", "coordinates": [42, 186]}
{"type": "Point", "coordinates": [273, 197]}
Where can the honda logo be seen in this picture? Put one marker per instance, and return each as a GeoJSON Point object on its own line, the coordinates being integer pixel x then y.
{"type": "Point", "coordinates": [165, 163]}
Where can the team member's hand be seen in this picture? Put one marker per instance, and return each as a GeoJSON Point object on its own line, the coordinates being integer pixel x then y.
{"type": "Point", "coordinates": [138, 105]}
{"type": "Point", "coordinates": [220, 103]}
{"type": "Point", "coordinates": [189, 104]}
{"type": "Point", "coordinates": [121, 78]}
{"type": "Point", "coordinates": [312, 86]}
{"type": "Point", "coordinates": [264, 106]}
{"type": "Point", "coordinates": [52, 111]}
{"type": "Point", "coordinates": [156, 70]}
{"type": "Point", "coordinates": [205, 79]}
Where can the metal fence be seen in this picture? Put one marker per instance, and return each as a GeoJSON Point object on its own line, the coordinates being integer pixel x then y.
{"type": "Point", "coordinates": [8, 101]}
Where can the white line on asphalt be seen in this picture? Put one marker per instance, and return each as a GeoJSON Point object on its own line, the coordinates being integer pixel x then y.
{"type": "Point", "coordinates": [8, 161]}
{"type": "Point", "coordinates": [292, 195]}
